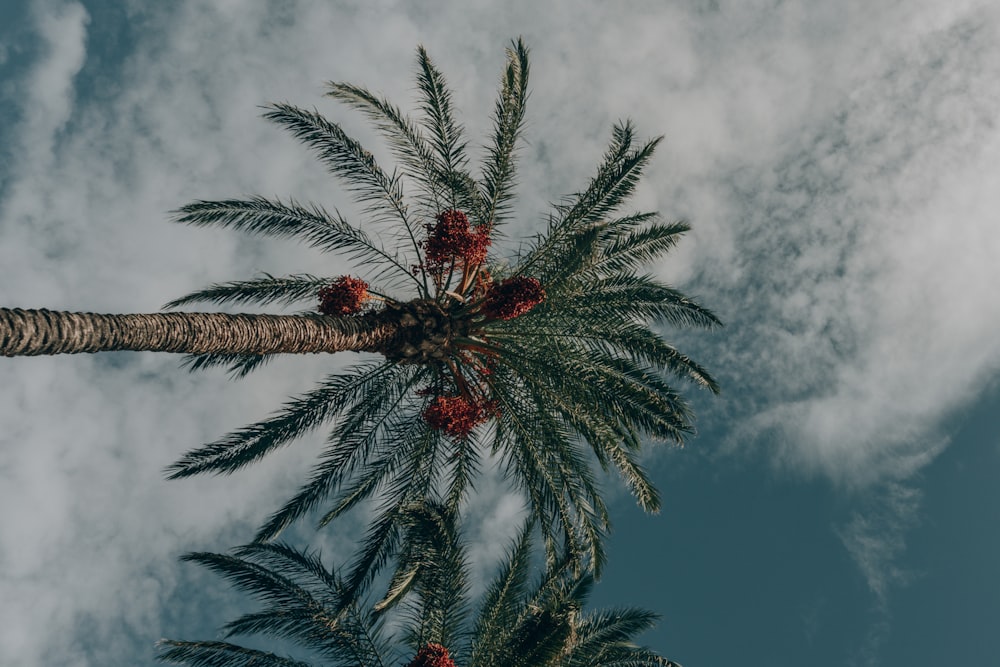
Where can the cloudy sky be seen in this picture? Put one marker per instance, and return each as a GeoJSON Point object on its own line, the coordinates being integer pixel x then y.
{"type": "Point", "coordinates": [839, 164]}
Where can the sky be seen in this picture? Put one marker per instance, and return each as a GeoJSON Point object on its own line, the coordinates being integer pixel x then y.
{"type": "Point", "coordinates": [837, 162]}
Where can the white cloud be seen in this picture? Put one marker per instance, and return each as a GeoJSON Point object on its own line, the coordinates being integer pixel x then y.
{"type": "Point", "coordinates": [862, 257]}
{"type": "Point", "coordinates": [49, 92]}
{"type": "Point", "coordinates": [875, 536]}
{"type": "Point", "coordinates": [862, 272]}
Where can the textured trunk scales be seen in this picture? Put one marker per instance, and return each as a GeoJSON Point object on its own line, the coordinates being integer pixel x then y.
{"type": "Point", "coordinates": [415, 332]}
{"type": "Point", "coordinates": [36, 332]}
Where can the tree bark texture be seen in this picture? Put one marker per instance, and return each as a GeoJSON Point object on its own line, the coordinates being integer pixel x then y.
{"type": "Point", "coordinates": [37, 332]}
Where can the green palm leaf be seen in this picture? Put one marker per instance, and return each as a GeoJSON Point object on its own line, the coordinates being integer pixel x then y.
{"type": "Point", "coordinates": [221, 654]}
{"type": "Point", "coordinates": [405, 140]}
{"type": "Point", "coordinates": [302, 414]}
{"type": "Point", "coordinates": [524, 619]}
{"type": "Point", "coordinates": [608, 190]}
{"type": "Point", "coordinates": [266, 290]}
{"type": "Point", "coordinates": [239, 364]}
{"type": "Point", "coordinates": [381, 193]}
{"type": "Point", "coordinates": [312, 224]}
{"type": "Point", "coordinates": [508, 121]}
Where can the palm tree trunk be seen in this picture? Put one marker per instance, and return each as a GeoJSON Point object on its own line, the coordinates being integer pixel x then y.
{"type": "Point", "coordinates": [35, 332]}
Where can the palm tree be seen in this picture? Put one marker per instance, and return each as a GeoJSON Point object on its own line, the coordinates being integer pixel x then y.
{"type": "Point", "coordinates": [547, 358]}
{"type": "Point", "coordinates": [518, 623]}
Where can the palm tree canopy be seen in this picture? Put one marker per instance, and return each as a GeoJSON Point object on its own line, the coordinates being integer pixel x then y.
{"type": "Point", "coordinates": [549, 359]}
{"type": "Point", "coordinates": [520, 621]}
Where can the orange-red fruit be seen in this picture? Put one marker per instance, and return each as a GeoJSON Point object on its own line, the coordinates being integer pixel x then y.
{"type": "Point", "coordinates": [452, 239]}
{"type": "Point", "coordinates": [456, 415]}
{"type": "Point", "coordinates": [344, 296]}
{"type": "Point", "coordinates": [432, 655]}
{"type": "Point", "coordinates": [512, 297]}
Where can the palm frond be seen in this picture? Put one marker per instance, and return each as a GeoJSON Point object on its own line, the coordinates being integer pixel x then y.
{"type": "Point", "coordinates": [221, 654]}
{"type": "Point", "coordinates": [613, 184]}
{"type": "Point", "coordinates": [606, 434]}
{"type": "Point", "coordinates": [248, 444]}
{"type": "Point", "coordinates": [432, 558]}
{"type": "Point", "coordinates": [521, 621]}
{"type": "Point", "coordinates": [633, 297]}
{"type": "Point", "coordinates": [540, 639]}
{"type": "Point", "coordinates": [367, 434]}
{"type": "Point", "coordinates": [380, 193]}
{"type": "Point", "coordinates": [405, 140]}
{"type": "Point", "coordinates": [604, 381]}
{"type": "Point", "coordinates": [413, 483]}
{"type": "Point", "coordinates": [635, 248]}
{"type": "Point", "coordinates": [337, 627]}
{"type": "Point", "coordinates": [539, 622]}
{"type": "Point", "coordinates": [612, 627]}
{"type": "Point", "coordinates": [619, 656]}
{"type": "Point", "coordinates": [606, 401]}
{"type": "Point", "coordinates": [634, 476]}
{"type": "Point", "coordinates": [303, 603]}
{"type": "Point", "coordinates": [438, 117]}
{"type": "Point", "coordinates": [570, 254]}
{"type": "Point", "coordinates": [508, 121]}
{"type": "Point", "coordinates": [312, 224]}
{"type": "Point", "coordinates": [240, 364]}
{"type": "Point", "coordinates": [262, 582]}
{"type": "Point", "coordinates": [501, 602]}
{"type": "Point", "coordinates": [540, 456]}
{"type": "Point", "coordinates": [463, 464]}
{"type": "Point", "coordinates": [265, 290]}
{"type": "Point", "coordinates": [304, 567]}
{"type": "Point", "coordinates": [617, 338]}
{"type": "Point", "coordinates": [637, 396]}
{"type": "Point", "coordinates": [606, 638]}
{"type": "Point", "coordinates": [466, 195]}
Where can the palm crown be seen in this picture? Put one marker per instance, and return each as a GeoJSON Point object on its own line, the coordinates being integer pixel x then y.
{"type": "Point", "coordinates": [546, 358]}
{"type": "Point", "coordinates": [553, 348]}
{"type": "Point", "coordinates": [518, 623]}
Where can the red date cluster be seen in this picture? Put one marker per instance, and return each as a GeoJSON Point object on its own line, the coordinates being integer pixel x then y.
{"type": "Point", "coordinates": [451, 239]}
{"type": "Point", "coordinates": [457, 415]}
{"type": "Point", "coordinates": [432, 655]}
{"type": "Point", "coordinates": [512, 298]}
{"type": "Point", "coordinates": [343, 296]}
